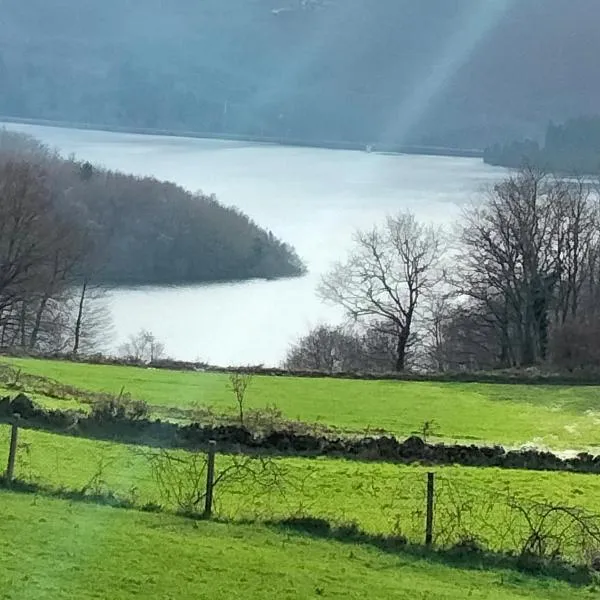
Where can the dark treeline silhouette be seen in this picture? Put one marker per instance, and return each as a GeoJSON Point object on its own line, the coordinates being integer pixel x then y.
{"type": "Point", "coordinates": [460, 73]}
{"type": "Point", "coordinates": [157, 232]}
{"type": "Point", "coordinates": [68, 229]}
{"type": "Point", "coordinates": [529, 275]}
{"type": "Point", "coordinates": [520, 287]}
{"type": "Point", "coordinates": [145, 231]}
{"type": "Point", "coordinates": [573, 147]}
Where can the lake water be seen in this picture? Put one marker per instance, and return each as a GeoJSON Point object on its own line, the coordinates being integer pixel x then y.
{"type": "Point", "coordinates": [311, 198]}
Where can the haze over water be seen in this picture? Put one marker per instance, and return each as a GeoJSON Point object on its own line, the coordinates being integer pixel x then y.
{"type": "Point", "coordinates": [311, 198]}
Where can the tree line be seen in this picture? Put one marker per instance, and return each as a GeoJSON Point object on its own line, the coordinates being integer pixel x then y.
{"type": "Point", "coordinates": [517, 284]}
{"type": "Point", "coordinates": [69, 229]}
{"type": "Point", "coordinates": [573, 147]}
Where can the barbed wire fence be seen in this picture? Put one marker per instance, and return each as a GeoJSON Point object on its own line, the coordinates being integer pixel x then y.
{"type": "Point", "coordinates": [431, 508]}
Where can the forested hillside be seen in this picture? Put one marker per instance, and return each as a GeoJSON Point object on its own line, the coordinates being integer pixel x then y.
{"type": "Point", "coordinates": [138, 230]}
{"type": "Point", "coordinates": [462, 73]}
{"type": "Point", "coordinates": [69, 228]}
{"type": "Point", "coordinates": [573, 147]}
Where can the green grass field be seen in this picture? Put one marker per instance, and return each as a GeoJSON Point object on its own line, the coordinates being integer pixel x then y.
{"type": "Point", "coordinates": [559, 417]}
{"type": "Point", "coordinates": [67, 549]}
{"type": "Point", "coordinates": [379, 498]}
{"type": "Point", "coordinates": [54, 549]}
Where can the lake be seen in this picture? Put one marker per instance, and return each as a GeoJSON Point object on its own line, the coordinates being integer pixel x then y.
{"type": "Point", "coordinates": [311, 198]}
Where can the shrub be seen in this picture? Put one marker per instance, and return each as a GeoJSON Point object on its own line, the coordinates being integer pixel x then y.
{"type": "Point", "coordinates": [239, 382]}
{"type": "Point", "coordinates": [119, 408]}
{"type": "Point", "coordinates": [467, 545]}
{"type": "Point", "coordinates": [310, 525]}
{"type": "Point", "coordinates": [265, 419]}
{"type": "Point", "coordinates": [180, 479]}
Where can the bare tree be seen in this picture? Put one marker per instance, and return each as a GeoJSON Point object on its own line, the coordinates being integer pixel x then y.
{"type": "Point", "coordinates": [90, 321]}
{"type": "Point", "coordinates": [379, 347]}
{"type": "Point", "coordinates": [438, 313]}
{"type": "Point", "coordinates": [45, 252]}
{"type": "Point", "coordinates": [39, 250]}
{"type": "Point", "coordinates": [574, 345]}
{"type": "Point", "coordinates": [55, 282]}
{"type": "Point", "coordinates": [240, 382]}
{"type": "Point", "coordinates": [509, 263]}
{"type": "Point", "coordinates": [143, 347]}
{"type": "Point", "coordinates": [577, 250]}
{"type": "Point", "coordinates": [388, 271]}
{"type": "Point", "coordinates": [528, 256]}
{"type": "Point", "coordinates": [467, 338]}
{"type": "Point", "coordinates": [363, 349]}
{"type": "Point", "coordinates": [325, 349]}
{"type": "Point", "coordinates": [22, 146]}
{"type": "Point", "coordinates": [24, 235]}
{"type": "Point", "coordinates": [79, 318]}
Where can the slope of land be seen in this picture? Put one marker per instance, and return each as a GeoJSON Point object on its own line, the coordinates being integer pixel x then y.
{"type": "Point", "coordinates": [287, 527]}
{"type": "Point", "coordinates": [559, 417]}
{"type": "Point", "coordinates": [51, 548]}
{"type": "Point", "coordinates": [462, 73]}
{"type": "Point", "coordinates": [378, 498]}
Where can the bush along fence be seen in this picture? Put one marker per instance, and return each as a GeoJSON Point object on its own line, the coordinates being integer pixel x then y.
{"type": "Point", "coordinates": [125, 423]}
{"type": "Point", "coordinates": [392, 506]}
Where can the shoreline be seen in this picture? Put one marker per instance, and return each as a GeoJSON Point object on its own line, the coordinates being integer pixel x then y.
{"type": "Point", "coordinates": [329, 145]}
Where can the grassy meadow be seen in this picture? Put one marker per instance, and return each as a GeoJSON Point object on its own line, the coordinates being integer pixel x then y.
{"type": "Point", "coordinates": [77, 552]}
{"type": "Point", "coordinates": [558, 417]}
{"type": "Point", "coordinates": [378, 498]}
{"type": "Point", "coordinates": [70, 549]}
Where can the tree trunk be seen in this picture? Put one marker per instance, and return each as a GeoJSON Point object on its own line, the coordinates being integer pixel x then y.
{"type": "Point", "coordinates": [2, 332]}
{"type": "Point", "coordinates": [528, 354]}
{"type": "Point", "coordinates": [507, 351]}
{"type": "Point", "coordinates": [22, 328]}
{"type": "Point", "coordinates": [38, 322]}
{"type": "Point", "coordinates": [79, 320]}
{"type": "Point", "coordinates": [401, 351]}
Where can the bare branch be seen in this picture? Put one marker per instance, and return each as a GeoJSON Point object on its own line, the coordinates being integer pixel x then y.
{"type": "Point", "coordinates": [387, 272]}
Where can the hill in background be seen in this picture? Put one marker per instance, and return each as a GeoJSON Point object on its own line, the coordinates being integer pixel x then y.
{"type": "Point", "coordinates": [462, 73]}
{"type": "Point", "coordinates": [137, 230]}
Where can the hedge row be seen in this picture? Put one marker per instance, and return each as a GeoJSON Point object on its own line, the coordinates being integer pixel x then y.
{"type": "Point", "coordinates": [284, 442]}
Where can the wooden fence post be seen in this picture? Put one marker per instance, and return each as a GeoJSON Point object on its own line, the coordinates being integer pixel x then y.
{"type": "Point", "coordinates": [210, 478]}
{"type": "Point", "coordinates": [12, 453]}
{"type": "Point", "coordinates": [429, 522]}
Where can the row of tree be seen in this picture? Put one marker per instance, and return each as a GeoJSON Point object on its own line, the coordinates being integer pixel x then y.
{"type": "Point", "coordinates": [517, 285]}
{"type": "Point", "coordinates": [69, 229]}
{"type": "Point", "coordinates": [573, 147]}
{"type": "Point", "coordinates": [45, 295]}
